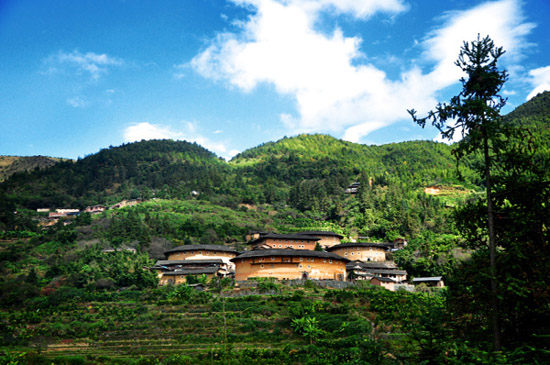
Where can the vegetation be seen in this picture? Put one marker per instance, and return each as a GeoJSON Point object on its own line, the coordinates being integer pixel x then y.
{"type": "Point", "coordinates": [63, 299]}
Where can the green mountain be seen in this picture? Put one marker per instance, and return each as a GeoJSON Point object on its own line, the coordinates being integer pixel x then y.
{"type": "Point", "coordinates": [320, 156]}
{"type": "Point", "coordinates": [537, 108]}
{"type": "Point", "coordinates": [129, 171]}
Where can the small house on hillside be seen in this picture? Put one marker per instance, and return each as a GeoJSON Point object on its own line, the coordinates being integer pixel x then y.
{"type": "Point", "coordinates": [126, 203]}
{"type": "Point", "coordinates": [353, 188]}
{"type": "Point", "coordinates": [95, 209]}
{"type": "Point", "coordinates": [432, 281]}
{"type": "Point", "coordinates": [290, 264]}
{"type": "Point", "coordinates": [119, 249]}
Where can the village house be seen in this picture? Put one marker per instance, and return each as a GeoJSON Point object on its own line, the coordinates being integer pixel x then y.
{"type": "Point", "coordinates": [385, 283]}
{"type": "Point", "coordinates": [177, 271]}
{"type": "Point", "coordinates": [95, 209]}
{"type": "Point", "coordinates": [282, 241]}
{"type": "Point", "coordinates": [126, 203]}
{"type": "Point", "coordinates": [361, 251]}
{"type": "Point", "coordinates": [290, 264]}
{"type": "Point", "coordinates": [119, 249]}
{"type": "Point", "coordinates": [180, 276]}
{"type": "Point", "coordinates": [399, 244]}
{"type": "Point", "coordinates": [353, 188]}
{"type": "Point", "coordinates": [203, 252]}
{"type": "Point", "coordinates": [68, 211]}
{"type": "Point", "coordinates": [432, 281]}
{"type": "Point", "coordinates": [358, 270]}
{"type": "Point", "coordinates": [326, 238]}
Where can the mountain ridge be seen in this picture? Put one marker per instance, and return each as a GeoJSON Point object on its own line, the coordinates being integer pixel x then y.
{"type": "Point", "coordinates": [266, 173]}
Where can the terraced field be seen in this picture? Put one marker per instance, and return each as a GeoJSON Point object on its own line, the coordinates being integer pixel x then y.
{"type": "Point", "coordinates": [115, 331]}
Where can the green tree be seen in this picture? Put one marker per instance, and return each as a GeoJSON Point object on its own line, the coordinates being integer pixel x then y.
{"type": "Point", "coordinates": [475, 113]}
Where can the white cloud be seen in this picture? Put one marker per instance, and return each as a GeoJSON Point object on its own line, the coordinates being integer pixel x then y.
{"type": "Point", "coordinates": [93, 64]}
{"type": "Point", "coordinates": [540, 80]}
{"type": "Point", "coordinates": [501, 20]}
{"type": "Point", "coordinates": [335, 89]}
{"type": "Point", "coordinates": [146, 131]}
{"type": "Point", "coordinates": [77, 102]}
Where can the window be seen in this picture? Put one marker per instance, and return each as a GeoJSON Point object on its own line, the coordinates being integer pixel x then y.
{"type": "Point", "coordinates": [262, 265]}
{"type": "Point", "coordinates": [300, 266]}
{"type": "Point", "coordinates": [324, 260]}
{"type": "Point", "coordinates": [301, 259]}
{"type": "Point", "coordinates": [273, 259]}
{"type": "Point", "coordinates": [308, 266]}
{"type": "Point", "coordinates": [345, 253]}
{"type": "Point", "coordinates": [280, 246]}
{"type": "Point", "coordinates": [330, 261]}
{"type": "Point", "coordinates": [352, 254]}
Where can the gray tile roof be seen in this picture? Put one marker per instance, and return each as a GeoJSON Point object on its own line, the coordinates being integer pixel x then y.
{"type": "Point", "coordinates": [359, 244]}
{"type": "Point", "coordinates": [186, 248]}
{"type": "Point", "coordinates": [289, 253]}
{"type": "Point", "coordinates": [276, 236]}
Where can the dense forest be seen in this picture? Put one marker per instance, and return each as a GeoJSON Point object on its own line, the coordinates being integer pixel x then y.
{"type": "Point", "coordinates": [59, 274]}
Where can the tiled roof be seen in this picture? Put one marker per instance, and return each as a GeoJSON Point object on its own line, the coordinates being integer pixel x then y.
{"type": "Point", "coordinates": [431, 278]}
{"type": "Point", "coordinates": [189, 262]}
{"type": "Point", "coordinates": [372, 265]}
{"type": "Point", "coordinates": [360, 244]}
{"type": "Point", "coordinates": [388, 280]}
{"type": "Point", "coordinates": [206, 270]}
{"type": "Point", "coordinates": [277, 236]}
{"type": "Point", "coordinates": [186, 248]}
{"type": "Point", "coordinates": [320, 233]}
{"type": "Point", "coordinates": [291, 253]}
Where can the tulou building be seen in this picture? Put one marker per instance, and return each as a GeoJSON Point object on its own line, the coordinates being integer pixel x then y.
{"type": "Point", "coordinates": [368, 262]}
{"type": "Point", "coordinates": [307, 255]}
{"type": "Point", "coordinates": [290, 264]}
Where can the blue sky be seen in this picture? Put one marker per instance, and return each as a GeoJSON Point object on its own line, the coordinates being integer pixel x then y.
{"type": "Point", "coordinates": [78, 76]}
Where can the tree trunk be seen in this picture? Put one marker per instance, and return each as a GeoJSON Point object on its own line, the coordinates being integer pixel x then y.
{"type": "Point", "coordinates": [492, 248]}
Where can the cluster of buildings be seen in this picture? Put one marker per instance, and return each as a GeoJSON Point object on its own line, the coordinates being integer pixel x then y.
{"type": "Point", "coordinates": [313, 255]}
{"type": "Point", "coordinates": [55, 215]}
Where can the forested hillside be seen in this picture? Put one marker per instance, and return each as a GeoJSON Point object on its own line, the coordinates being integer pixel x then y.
{"type": "Point", "coordinates": [129, 171]}
{"type": "Point", "coordinates": [304, 177]}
